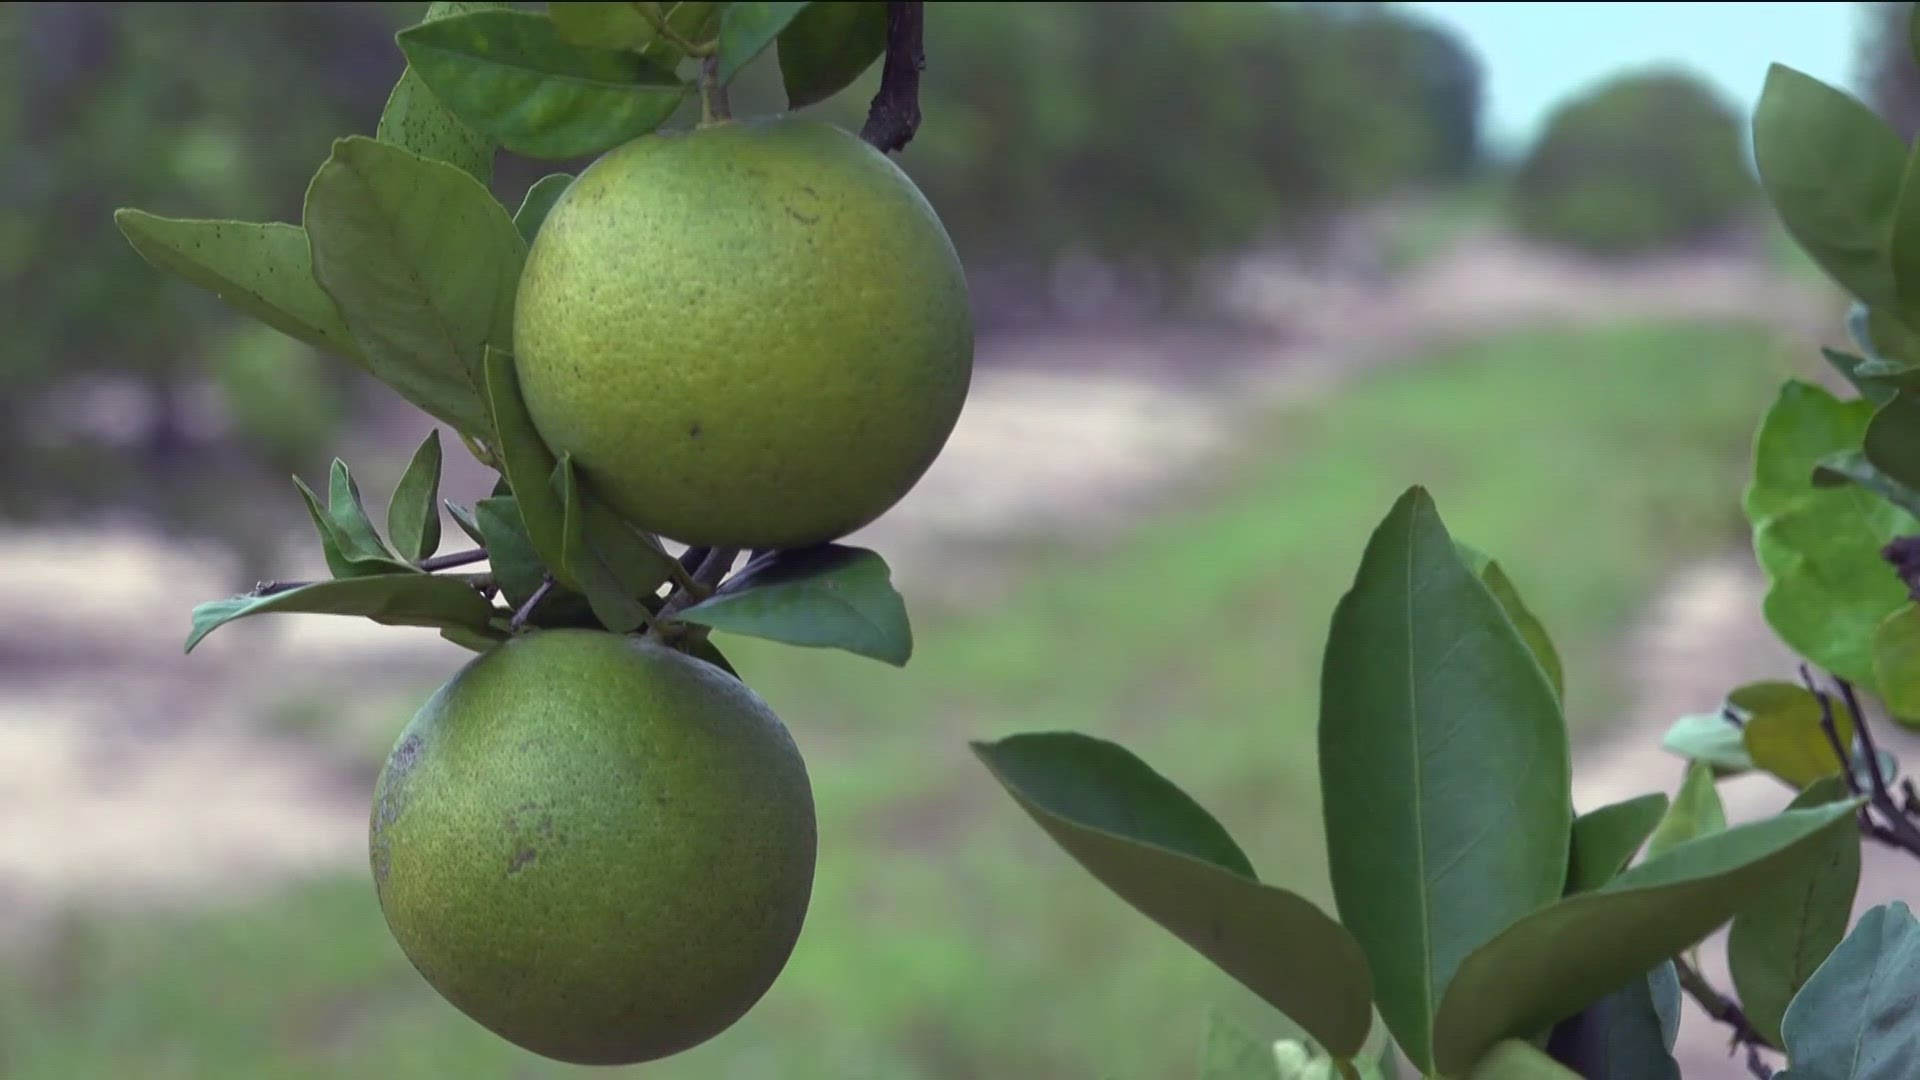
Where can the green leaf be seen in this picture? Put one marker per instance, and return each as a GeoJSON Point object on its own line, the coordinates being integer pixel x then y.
{"type": "Point", "coordinates": [508, 75]}
{"type": "Point", "coordinates": [416, 120]}
{"type": "Point", "coordinates": [831, 596]}
{"type": "Point", "coordinates": [1896, 663]}
{"type": "Point", "coordinates": [518, 571]}
{"type": "Point", "coordinates": [391, 599]}
{"type": "Point", "coordinates": [1517, 1059]}
{"type": "Point", "coordinates": [637, 561]}
{"type": "Point", "coordinates": [746, 29]}
{"type": "Point", "coordinates": [346, 556]}
{"type": "Point", "coordinates": [1627, 1035]}
{"type": "Point", "coordinates": [1444, 768]}
{"type": "Point", "coordinates": [463, 517]}
{"type": "Point", "coordinates": [1145, 839]}
{"type": "Point", "coordinates": [1804, 426]}
{"type": "Point", "coordinates": [359, 540]}
{"type": "Point", "coordinates": [1228, 1052]}
{"type": "Point", "coordinates": [1852, 467]}
{"type": "Point", "coordinates": [1562, 958]}
{"type": "Point", "coordinates": [1783, 732]}
{"type": "Point", "coordinates": [1712, 738]}
{"type": "Point", "coordinates": [1696, 812]}
{"type": "Point", "coordinates": [1832, 170]}
{"type": "Point", "coordinates": [1775, 945]}
{"type": "Point", "coordinates": [1532, 630]}
{"type": "Point", "coordinates": [261, 270]}
{"type": "Point", "coordinates": [610, 25]}
{"type": "Point", "coordinates": [1892, 440]}
{"type": "Point", "coordinates": [423, 264]}
{"type": "Point", "coordinates": [1854, 1020]}
{"type": "Point", "coordinates": [540, 199]}
{"type": "Point", "coordinates": [707, 651]}
{"type": "Point", "coordinates": [827, 46]}
{"type": "Point", "coordinates": [478, 640]}
{"type": "Point", "coordinates": [1849, 366]}
{"type": "Point", "coordinates": [1605, 840]}
{"type": "Point", "coordinates": [529, 466]}
{"type": "Point", "coordinates": [413, 513]}
{"type": "Point", "coordinates": [1903, 248]}
{"type": "Point", "coordinates": [618, 610]}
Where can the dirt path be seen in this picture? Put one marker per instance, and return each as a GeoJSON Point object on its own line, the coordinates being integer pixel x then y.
{"type": "Point", "coordinates": [136, 776]}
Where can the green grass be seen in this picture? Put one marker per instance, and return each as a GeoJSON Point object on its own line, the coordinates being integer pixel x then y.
{"type": "Point", "coordinates": [948, 938]}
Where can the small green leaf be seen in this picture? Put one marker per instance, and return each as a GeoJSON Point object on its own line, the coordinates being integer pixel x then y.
{"type": "Point", "coordinates": [1712, 738]}
{"type": "Point", "coordinates": [746, 29]}
{"type": "Point", "coordinates": [463, 517]}
{"type": "Point", "coordinates": [1832, 170]}
{"type": "Point", "coordinates": [413, 513]}
{"type": "Point", "coordinates": [618, 610]}
{"type": "Point", "coordinates": [1517, 1059]}
{"type": "Point", "coordinates": [261, 270]}
{"type": "Point", "coordinates": [478, 640]}
{"type": "Point", "coordinates": [1562, 958]}
{"type": "Point", "coordinates": [529, 466]}
{"type": "Point", "coordinates": [706, 650]}
{"type": "Point", "coordinates": [827, 46]}
{"type": "Point", "coordinates": [1696, 812]}
{"type": "Point", "coordinates": [509, 75]}
{"type": "Point", "coordinates": [832, 597]}
{"type": "Point", "coordinates": [1145, 839]}
{"type": "Point", "coordinates": [1852, 467]}
{"type": "Point", "coordinates": [1892, 440]}
{"type": "Point", "coordinates": [416, 120]}
{"type": "Point", "coordinates": [391, 599]}
{"type": "Point", "coordinates": [423, 264]}
{"type": "Point", "coordinates": [1783, 732]}
{"type": "Point", "coordinates": [1775, 945]}
{"type": "Point", "coordinates": [518, 571]}
{"type": "Point", "coordinates": [540, 199]}
{"type": "Point", "coordinates": [359, 540]}
{"type": "Point", "coordinates": [1605, 840]}
{"type": "Point", "coordinates": [1849, 365]}
{"type": "Point", "coordinates": [1854, 1020]}
{"type": "Point", "coordinates": [1532, 630]}
{"type": "Point", "coordinates": [1228, 1052]}
{"type": "Point", "coordinates": [1896, 663]}
{"type": "Point", "coordinates": [344, 558]}
{"type": "Point", "coordinates": [1444, 767]}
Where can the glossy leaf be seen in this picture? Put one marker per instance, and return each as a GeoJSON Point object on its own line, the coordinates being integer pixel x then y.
{"type": "Point", "coordinates": [1783, 732]}
{"type": "Point", "coordinates": [832, 596]}
{"type": "Point", "coordinates": [1712, 738]}
{"type": "Point", "coordinates": [1896, 663]}
{"type": "Point", "coordinates": [540, 199]}
{"type": "Point", "coordinates": [1695, 812]}
{"type": "Point", "coordinates": [1444, 767]}
{"type": "Point", "coordinates": [616, 609]}
{"type": "Point", "coordinates": [423, 264]}
{"type": "Point", "coordinates": [1228, 1052]}
{"type": "Point", "coordinates": [1832, 170]}
{"type": "Point", "coordinates": [747, 28]}
{"type": "Point", "coordinates": [529, 466]}
{"type": "Point", "coordinates": [826, 47]}
{"type": "Point", "coordinates": [1145, 839]}
{"type": "Point", "coordinates": [260, 270]}
{"type": "Point", "coordinates": [391, 599]}
{"type": "Point", "coordinates": [509, 75]}
{"type": "Point", "coordinates": [1852, 467]}
{"type": "Point", "coordinates": [1560, 959]}
{"type": "Point", "coordinates": [1858, 1017]}
{"type": "Point", "coordinates": [415, 120]}
{"type": "Point", "coordinates": [1605, 840]}
{"type": "Point", "coordinates": [413, 513]}
{"type": "Point", "coordinates": [1517, 1059]}
{"type": "Point", "coordinates": [1532, 630]}
{"type": "Point", "coordinates": [1892, 440]}
{"type": "Point", "coordinates": [1775, 945]}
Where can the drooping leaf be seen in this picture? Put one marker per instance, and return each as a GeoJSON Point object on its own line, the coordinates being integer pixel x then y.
{"type": "Point", "coordinates": [261, 270]}
{"type": "Point", "coordinates": [1896, 663]}
{"type": "Point", "coordinates": [1712, 738]}
{"type": "Point", "coordinates": [832, 596]}
{"type": "Point", "coordinates": [1852, 467]}
{"type": "Point", "coordinates": [1858, 1017]}
{"type": "Point", "coordinates": [509, 75]}
{"type": "Point", "coordinates": [463, 517]}
{"type": "Point", "coordinates": [413, 513]}
{"type": "Point", "coordinates": [1532, 630]}
{"type": "Point", "coordinates": [1784, 733]}
{"type": "Point", "coordinates": [1892, 440]}
{"type": "Point", "coordinates": [747, 28]}
{"type": "Point", "coordinates": [1228, 1052]}
{"type": "Point", "coordinates": [618, 610]}
{"type": "Point", "coordinates": [391, 599]}
{"type": "Point", "coordinates": [1517, 1059]}
{"type": "Point", "coordinates": [1696, 812]}
{"type": "Point", "coordinates": [358, 538]}
{"type": "Point", "coordinates": [827, 46]}
{"type": "Point", "coordinates": [1605, 840]}
{"type": "Point", "coordinates": [423, 264]}
{"type": "Point", "coordinates": [1444, 767]}
{"type": "Point", "coordinates": [1832, 170]}
{"type": "Point", "coordinates": [1562, 958]}
{"type": "Point", "coordinates": [1775, 945]}
{"type": "Point", "coordinates": [529, 466]}
{"type": "Point", "coordinates": [540, 198]}
{"type": "Point", "coordinates": [1145, 839]}
{"type": "Point", "coordinates": [415, 120]}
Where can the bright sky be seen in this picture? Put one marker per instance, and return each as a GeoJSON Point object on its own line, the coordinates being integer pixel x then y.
{"type": "Point", "coordinates": [1535, 54]}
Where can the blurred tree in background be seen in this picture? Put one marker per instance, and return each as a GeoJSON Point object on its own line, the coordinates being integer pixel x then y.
{"type": "Point", "coordinates": [1644, 161]}
{"type": "Point", "coordinates": [1887, 74]}
{"type": "Point", "coordinates": [122, 386]}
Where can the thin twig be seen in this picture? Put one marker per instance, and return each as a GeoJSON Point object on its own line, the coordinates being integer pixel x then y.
{"type": "Point", "coordinates": [438, 562]}
{"type": "Point", "coordinates": [521, 616]}
{"type": "Point", "coordinates": [654, 17]}
{"type": "Point", "coordinates": [448, 562]}
{"type": "Point", "coordinates": [894, 114]}
{"type": "Point", "coordinates": [715, 107]}
{"type": "Point", "coordinates": [1725, 1011]}
{"type": "Point", "coordinates": [713, 569]}
{"type": "Point", "coordinates": [1897, 824]}
{"type": "Point", "coordinates": [1832, 731]}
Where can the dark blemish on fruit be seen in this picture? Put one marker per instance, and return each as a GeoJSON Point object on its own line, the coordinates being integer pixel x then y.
{"type": "Point", "coordinates": [803, 219]}
{"type": "Point", "coordinates": [694, 432]}
{"type": "Point", "coordinates": [520, 860]}
{"type": "Point", "coordinates": [405, 757]}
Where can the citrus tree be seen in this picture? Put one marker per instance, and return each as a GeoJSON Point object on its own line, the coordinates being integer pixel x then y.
{"type": "Point", "coordinates": [749, 337]}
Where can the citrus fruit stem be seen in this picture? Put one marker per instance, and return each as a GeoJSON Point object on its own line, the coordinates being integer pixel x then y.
{"type": "Point", "coordinates": [714, 107]}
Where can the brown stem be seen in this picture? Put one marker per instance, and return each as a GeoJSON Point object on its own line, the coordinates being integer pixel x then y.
{"type": "Point", "coordinates": [894, 114]}
{"type": "Point", "coordinates": [713, 569]}
{"type": "Point", "coordinates": [1725, 1011]}
{"type": "Point", "coordinates": [715, 108]}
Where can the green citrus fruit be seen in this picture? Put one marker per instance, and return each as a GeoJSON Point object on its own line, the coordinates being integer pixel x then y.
{"type": "Point", "coordinates": [753, 334]}
{"type": "Point", "coordinates": [598, 847]}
